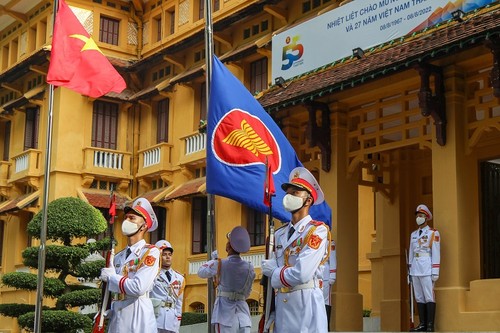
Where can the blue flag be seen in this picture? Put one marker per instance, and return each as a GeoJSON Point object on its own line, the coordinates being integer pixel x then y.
{"type": "Point", "coordinates": [242, 137]}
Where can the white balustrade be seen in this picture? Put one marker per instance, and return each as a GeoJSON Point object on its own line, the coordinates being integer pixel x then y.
{"type": "Point", "coordinates": [152, 157]}
{"type": "Point", "coordinates": [22, 162]}
{"type": "Point", "coordinates": [196, 143]}
{"type": "Point", "coordinates": [109, 160]}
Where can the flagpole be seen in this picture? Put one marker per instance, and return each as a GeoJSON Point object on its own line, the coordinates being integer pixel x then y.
{"type": "Point", "coordinates": [209, 51]}
{"type": "Point", "coordinates": [46, 179]}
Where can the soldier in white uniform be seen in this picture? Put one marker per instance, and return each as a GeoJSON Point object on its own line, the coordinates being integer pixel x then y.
{"type": "Point", "coordinates": [168, 292]}
{"type": "Point", "coordinates": [132, 277]}
{"type": "Point", "coordinates": [424, 260]}
{"type": "Point", "coordinates": [296, 268]}
{"type": "Point", "coordinates": [329, 277]}
{"type": "Point", "coordinates": [234, 278]}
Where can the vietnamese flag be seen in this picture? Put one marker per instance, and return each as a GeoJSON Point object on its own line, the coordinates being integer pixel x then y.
{"type": "Point", "coordinates": [75, 60]}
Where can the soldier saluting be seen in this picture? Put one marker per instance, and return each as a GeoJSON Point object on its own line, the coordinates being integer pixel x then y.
{"type": "Point", "coordinates": [296, 268]}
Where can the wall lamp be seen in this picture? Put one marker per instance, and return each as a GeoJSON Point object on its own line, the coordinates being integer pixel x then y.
{"type": "Point", "coordinates": [458, 15]}
{"type": "Point", "coordinates": [280, 82]}
{"type": "Point", "coordinates": [358, 53]}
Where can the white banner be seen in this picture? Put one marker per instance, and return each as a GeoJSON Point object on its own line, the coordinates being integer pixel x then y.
{"type": "Point", "coordinates": [363, 23]}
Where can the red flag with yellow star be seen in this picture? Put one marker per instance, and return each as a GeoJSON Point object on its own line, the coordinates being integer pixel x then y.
{"type": "Point", "coordinates": [76, 62]}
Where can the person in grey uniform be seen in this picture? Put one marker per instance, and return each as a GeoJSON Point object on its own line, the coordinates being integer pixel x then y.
{"type": "Point", "coordinates": [234, 278]}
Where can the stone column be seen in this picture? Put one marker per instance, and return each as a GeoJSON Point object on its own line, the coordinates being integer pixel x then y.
{"type": "Point", "coordinates": [342, 189]}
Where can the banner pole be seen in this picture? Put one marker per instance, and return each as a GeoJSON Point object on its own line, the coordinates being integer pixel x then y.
{"type": "Point", "coordinates": [209, 51]}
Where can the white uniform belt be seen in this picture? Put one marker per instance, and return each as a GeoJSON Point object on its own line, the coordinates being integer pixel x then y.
{"type": "Point", "coordinates": [308, 285]}
{"type": "Point", "coordinates": [122, 297]}
{"type": "Point", "coordinates": [422, 255]}
{"type": "Point", "coordinates": [232, 295]}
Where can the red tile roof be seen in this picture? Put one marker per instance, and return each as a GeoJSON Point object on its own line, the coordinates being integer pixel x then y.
{"type": "Point", "coordinates": [189, 188]}
{"type": "Point", "coordinates": [102, 200]}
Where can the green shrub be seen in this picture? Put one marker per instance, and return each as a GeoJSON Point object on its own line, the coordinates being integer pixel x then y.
{"type": "Point", "coordinates": [14, 310]}
{"type": "Point", "coordinates": [367, 313]}
{"type": "Point", "coordinates": [79, 298]}
{"type": "Point", "coordinates": [57, 257]}
{"type": "Point", "coordinates": [57, 321]}
{"type": "Point", "coordinates": [68, 218]}
{"type": "Point", "coordinates": [90, 270]}
{"type": "Point", "coordinates": [190, 318]}
{"type": "Point", "coordinates": [26, 281]}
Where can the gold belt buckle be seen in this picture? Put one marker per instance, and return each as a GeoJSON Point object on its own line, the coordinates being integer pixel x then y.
{"type": "Point", "coordinates": [168, 304]}
{"type": "Point", "coordinates": [118, 297]}
{"type": "Point", "coordinates": [285, 290]}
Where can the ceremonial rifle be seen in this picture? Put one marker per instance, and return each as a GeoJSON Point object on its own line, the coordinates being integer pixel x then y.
{"type": "Point", "coordinates": [268, 305]}
{"type": "Point", "coordinates": [98, 326]}
{"type": "Point", "coordinates": [410, 283]}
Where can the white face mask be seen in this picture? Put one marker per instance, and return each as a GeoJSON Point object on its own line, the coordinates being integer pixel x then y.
{"type": "Point", "coordinates": [420, 220]}
{"type": "Point", "coordinates": [129, 228]}
{"type": "Point", "coordinates": [292, 203]}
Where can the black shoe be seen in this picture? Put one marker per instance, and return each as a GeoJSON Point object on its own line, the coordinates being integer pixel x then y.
{"type": "Point", "coordinates": [431, 312]}
{"type": "Point", "coordinates": [420, 328]}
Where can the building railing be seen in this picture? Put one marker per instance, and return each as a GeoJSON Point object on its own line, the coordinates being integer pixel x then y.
{"type": "Point", "coordinates": [101, 161]}
{"type": "Point", "coordinates": [195, 143]}
{"type": "Point", "coordinates": [155, 159]}
{"type": "Point", "coordinates": [194, 148]}
{"type": "Point", "coordinates": [27, 164]}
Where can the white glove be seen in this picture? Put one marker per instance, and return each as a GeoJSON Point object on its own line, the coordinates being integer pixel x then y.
{"type": "Point", "coordinates": [270, 321]}
{"type": "Point", "coordinates": [268, 266]}
{"type": "Point", "coordinates": [331, 282]}
{"type": "Point", "coordinates": [106, 273]}
{"type": "Point", "coordinates": [214, 255]}
{"type": "Point", "coordinates": [434, 277]}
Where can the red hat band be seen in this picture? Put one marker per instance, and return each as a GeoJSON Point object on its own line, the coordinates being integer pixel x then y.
{"type": "Point", "coordinates": [144, 214]}
{"type": "Point", "coordinates": [307, 185]}
{"type": "Point", "coordinates": [423, 212]}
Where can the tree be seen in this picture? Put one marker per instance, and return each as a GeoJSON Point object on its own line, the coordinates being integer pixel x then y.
{"type": "Point", "coordinates": [67, 218]}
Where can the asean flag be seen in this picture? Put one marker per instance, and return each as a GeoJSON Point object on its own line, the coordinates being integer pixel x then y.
{"type": "Point", "coordinates": [241, 138]}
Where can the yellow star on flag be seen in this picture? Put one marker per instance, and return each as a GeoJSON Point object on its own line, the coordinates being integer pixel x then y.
{"type": "Point", "coordinates": [89, 43]}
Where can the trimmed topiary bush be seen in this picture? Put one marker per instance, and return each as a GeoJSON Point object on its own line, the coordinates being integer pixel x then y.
{"type": "Point", "coordinates": [67, 219]}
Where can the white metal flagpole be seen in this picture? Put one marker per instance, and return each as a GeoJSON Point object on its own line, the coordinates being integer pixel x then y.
{"type": "Point", "coordinates": [43, 229]}
{"type": "Point", "coordinates": [209, 51]}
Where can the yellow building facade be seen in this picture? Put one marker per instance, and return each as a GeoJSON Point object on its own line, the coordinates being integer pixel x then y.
{"type": "Point", "coordinates": [377, 156]}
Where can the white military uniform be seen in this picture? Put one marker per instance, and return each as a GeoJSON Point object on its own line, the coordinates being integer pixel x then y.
{"type": "Point", "coordinates": [330, 274]}
{"type": "Point", "coordinates": [235, 278]}
{"type": "Point", "coordinates": [424, 259]}
{"type": "Point", "coordinates": [171, 293]}
{"type": "Point", "coordinates": [132, 310]}
{"type": "Point", "coordinates": [300, 305]}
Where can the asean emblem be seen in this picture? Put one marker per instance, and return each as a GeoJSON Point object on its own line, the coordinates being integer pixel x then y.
{"type": "Point", "coordinates": [241, 139]}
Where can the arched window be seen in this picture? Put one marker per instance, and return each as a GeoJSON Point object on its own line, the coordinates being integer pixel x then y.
{"type": "Point", "coordinates": [197, 307]}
